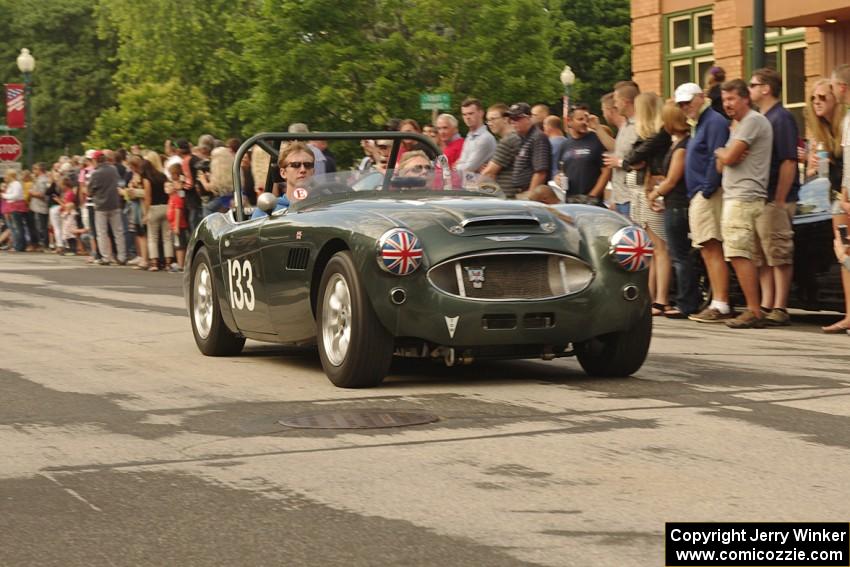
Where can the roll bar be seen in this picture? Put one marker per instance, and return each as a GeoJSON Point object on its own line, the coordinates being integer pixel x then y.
{"type": "Point", "coordinates": [270, 143]}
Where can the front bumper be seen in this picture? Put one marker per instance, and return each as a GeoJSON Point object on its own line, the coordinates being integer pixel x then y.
{"type": "Point", "coordinates": [442, 319]}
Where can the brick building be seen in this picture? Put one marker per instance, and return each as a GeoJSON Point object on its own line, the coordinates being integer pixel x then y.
{"type": "Point", "coordinates": [676, 41]}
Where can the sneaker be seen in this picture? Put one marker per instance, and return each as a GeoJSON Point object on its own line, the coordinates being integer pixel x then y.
{"type": "Point", "coordinates": [746, 320]}
{"type": "Point", "coordinates": [777, 318]}
{"type": "Point", "coordinates": [711, 315]}
{"type": "Point", "coordinates": [101, 262]}
{"type": "Point", "coordinates": [134, 261]}
{"type": "Point", "coordinates": [175, 269]}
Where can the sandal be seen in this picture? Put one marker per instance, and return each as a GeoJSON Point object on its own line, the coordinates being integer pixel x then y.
{"type": "Point", "coordinates": [674, 313]}
{"type": "Point", "coordinates": [836, 328]}
{"type": "Point", "coordinates": [140, 267]}
{"type": "Point", "coordinates": [153, 268]}
{"type": "Point", "coordinates": [659, 309]}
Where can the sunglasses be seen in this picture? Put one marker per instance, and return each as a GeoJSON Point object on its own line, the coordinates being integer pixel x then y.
{"type": "Point", "coordinates": [382, 146]}
{"type": "Point", "coordinates": [820, 97]}
{"type": "Point", "coordinates": [517, 118]}
{"type": "Point", "coordinates": [420, 169]}
{"type": "Point", "coordinates": [299, 164]}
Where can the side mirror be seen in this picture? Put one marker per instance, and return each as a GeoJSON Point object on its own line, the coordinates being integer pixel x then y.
{"type": "Point", "coordinates": [267, 202]}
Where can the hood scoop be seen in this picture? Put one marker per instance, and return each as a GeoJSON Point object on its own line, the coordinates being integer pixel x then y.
{"type": "Point", "coordinates": [500, 223]}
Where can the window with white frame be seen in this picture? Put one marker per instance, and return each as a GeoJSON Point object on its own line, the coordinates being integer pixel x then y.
{"type": "Point", "coordinates": [688, 47]}
{"type": "Point", "coordinates": [785, 51]}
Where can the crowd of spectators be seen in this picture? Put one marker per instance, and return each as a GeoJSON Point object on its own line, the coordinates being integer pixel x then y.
{"type": "Point", "coordinates": [134, 207]}
{"type": "Point", "coordinates": [717, 167]}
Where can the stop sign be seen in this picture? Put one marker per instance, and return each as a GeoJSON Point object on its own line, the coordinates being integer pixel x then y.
{"type": "Point", "coordinates": [10, 148]}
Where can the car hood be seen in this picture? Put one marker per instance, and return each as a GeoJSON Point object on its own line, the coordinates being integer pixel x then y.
{"type": "Point", "coordinates": [456, 222]}
{"type": "Point", "coordinates": [472, 215]}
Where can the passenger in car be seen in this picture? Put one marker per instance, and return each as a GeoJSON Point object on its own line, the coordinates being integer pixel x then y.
{"type": "Point", "coordinates": [296, 167]}
{"type": "Point", "coordinates": [415, 163]}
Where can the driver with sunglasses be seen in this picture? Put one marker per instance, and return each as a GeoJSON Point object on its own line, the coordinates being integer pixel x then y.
{"type": "Point", "coordinates": [297, 164]}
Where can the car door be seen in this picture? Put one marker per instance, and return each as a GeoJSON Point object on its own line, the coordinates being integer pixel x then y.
{"type": "Point", "coordinates": [289, 250]}
{"type": "Point", "coordinates": [243, 275]}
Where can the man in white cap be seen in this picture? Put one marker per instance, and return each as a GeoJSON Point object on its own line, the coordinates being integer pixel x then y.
{"type": "Point", "coordinates": [710, 131]}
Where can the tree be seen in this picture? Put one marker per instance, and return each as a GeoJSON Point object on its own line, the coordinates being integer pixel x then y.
{"type": "Point", "coordinates": [72, 81]}
{"type": "Point", "coordinates": [593, 38]}
{"type": "Point", "coordinates": [190, 41]}
{"type": "Point", "coordinates": [354, 65]}
{"type": "Point", "coordinates": [149, 113]}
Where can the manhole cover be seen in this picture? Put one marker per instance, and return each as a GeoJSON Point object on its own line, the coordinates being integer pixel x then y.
{"type": "Point", "coordinates": [358, 419]}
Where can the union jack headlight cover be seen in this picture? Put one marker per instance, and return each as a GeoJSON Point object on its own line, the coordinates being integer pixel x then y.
{"type": "Point", "coordinates": [631, 248]}
{"type": "Point", "coordinates": [399, 252]}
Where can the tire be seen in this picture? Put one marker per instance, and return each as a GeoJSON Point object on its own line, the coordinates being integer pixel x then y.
{"type": "Point", "coordinates": [617, 354]}
{"type": "Point", "coordinates": [355, 349]}
{"type": "Point", "coordinates": [211, 334]}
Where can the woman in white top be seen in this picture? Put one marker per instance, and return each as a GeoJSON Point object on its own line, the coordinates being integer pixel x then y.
{"type": "Point", "coordinates": [14, 208]}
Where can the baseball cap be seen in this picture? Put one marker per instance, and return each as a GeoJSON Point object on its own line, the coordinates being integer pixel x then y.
{"type": "Point", "coordinates": [518, 109]}
{"type": "Point", "coordinates": [686, 92]}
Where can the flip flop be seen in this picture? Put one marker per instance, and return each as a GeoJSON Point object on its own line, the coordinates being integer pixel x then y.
{"type": "Point", "coordinates": [659, 309]}
{"type": "Point", "coordinates": [836, 328]}
{"type": "Point", "coordinates": [673, 313]}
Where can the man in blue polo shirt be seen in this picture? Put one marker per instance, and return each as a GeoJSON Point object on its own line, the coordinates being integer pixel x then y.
{"type": "Point", "coordinates": [775, 247]}
{"type": "Point", "coordinates": [711, 131]}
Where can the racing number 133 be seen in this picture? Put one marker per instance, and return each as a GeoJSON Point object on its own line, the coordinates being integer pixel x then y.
{"type": "Point", "coordinates": [237, 272]}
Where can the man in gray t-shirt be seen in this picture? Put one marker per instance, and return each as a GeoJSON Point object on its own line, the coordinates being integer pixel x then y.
{"type": "Point", "coordinates": [746, 167]}
{"type": "Point", "coordinates": [747, 179]}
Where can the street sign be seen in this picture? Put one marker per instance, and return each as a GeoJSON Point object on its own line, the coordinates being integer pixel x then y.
{"type": "Point", "coordinates": [10, 148]}
{"type": "Point", "coordinates": [6, 165]}
{"type": "Point", "coordinates": [435, 101]}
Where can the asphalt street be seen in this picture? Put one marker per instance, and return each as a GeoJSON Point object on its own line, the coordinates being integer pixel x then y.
{"type": "Point", "coordinates": [120, 444]}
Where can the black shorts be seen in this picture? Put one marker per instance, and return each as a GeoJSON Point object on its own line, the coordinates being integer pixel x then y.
{"type": "Point", "coordinates": [181, 239]}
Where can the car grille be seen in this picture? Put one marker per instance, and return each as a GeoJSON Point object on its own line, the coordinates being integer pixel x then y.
{"type": "Point", "coordinates": [511, 276]}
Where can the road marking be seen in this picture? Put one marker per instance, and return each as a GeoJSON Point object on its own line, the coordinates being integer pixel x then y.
{"type": "Point", "coordinates": [72, 492]}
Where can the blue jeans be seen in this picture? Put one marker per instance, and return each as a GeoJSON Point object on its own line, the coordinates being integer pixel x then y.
{"type": "Point", "coordinates": [41, 236]}
{"type": "Point", "coordinates": [194, 216]}
{"type": "Point", "coordinates": [19, 239]}
{"type": "Point", "coordinates": [216, 203]}
{"type": "Point", "coordinates": [687, 291]}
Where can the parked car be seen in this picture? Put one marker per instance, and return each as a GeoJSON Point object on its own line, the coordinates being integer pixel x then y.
{"type": "Point", "coordinates": [368, 265]}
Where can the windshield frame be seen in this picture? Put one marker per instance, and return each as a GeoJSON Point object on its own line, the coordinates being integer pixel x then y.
{"type": "Point", "coordinates": [270, 143]}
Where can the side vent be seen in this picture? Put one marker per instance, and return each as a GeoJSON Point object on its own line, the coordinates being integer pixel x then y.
{"type": "Point", "coordinates": [297, 258]}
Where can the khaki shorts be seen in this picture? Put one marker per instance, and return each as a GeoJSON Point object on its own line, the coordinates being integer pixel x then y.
{"type": "Point", "coordinates": [738, 226]}
{"type": "Point", "coordinates": [704, 218]}
{"type": "Point", "coordinates": [775, 236]}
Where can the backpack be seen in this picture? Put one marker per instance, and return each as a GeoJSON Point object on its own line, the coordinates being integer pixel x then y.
{"type": "Point", "coordinates": [221, 171]}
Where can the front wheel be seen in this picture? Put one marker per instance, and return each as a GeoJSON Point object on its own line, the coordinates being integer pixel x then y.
{"type": "Point", "coordinates": [617, 354]}
{"type": "Point", "coordinates": [211, 334]}
{"type": "Point", "coordinates": [354, 347]}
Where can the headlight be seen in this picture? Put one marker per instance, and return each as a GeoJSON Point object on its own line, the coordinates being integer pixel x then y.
{"type": "Point", "coordinates": [631, 248]}
{"type": "Point", "coordinates": [399, 252]}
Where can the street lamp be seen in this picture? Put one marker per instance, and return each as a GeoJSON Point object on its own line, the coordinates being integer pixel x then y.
{"type": "Point", "coordinates": [567, 78]}
{"type": "Point", "coordinates": [26, 64]}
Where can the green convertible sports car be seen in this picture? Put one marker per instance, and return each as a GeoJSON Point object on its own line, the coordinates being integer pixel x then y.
{"type": "Point", "coordinates": [422, 262]}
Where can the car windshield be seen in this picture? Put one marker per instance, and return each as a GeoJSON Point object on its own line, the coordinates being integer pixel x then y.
{"type": "Point", "coordinates": [418, 182]}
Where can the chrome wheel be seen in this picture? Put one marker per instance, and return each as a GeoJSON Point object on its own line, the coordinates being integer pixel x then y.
{"type": "Point", "coordinates": [336, 320]}
{"type": "Point", "coordinates": [203, 301]}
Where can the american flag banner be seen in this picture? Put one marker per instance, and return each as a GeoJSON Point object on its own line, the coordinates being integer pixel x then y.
{"type": "Point", "coordinates": [15, 115]}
